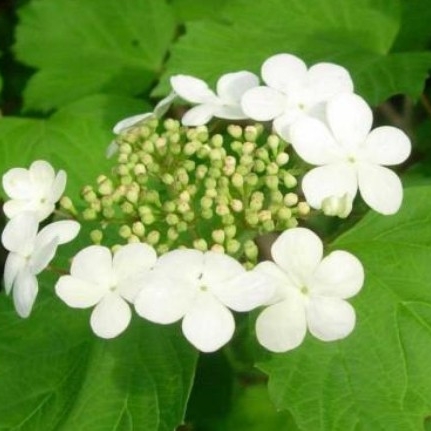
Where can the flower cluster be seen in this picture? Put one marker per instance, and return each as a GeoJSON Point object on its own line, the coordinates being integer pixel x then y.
{"type": "Point", "coordinates": [33, 194]}
{"type": "Point", "coordinates": [185, 204]}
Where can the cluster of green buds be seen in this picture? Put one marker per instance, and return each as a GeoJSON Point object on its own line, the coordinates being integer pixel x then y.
{"type": "Point", "coordinates": [175, 187]}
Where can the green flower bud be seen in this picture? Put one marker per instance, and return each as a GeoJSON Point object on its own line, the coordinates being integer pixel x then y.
{"type": "Point", "coordinates": [190, 148]}
{"type": "Point", "coordinates": [200, 244]}
{"type": "Point", "coordinates": [303, 208]}
{"type": "Point", "coordinates": [207, 213]}
{"type": "Point", "coordinates": [272, 168]}
{"type": "Point", "coordinates": [133, 239]}
{"type": "Point", "coordinates": [108, 213]}
{"type": "Point", "coordinates": [218, 248]}
{"type": "Point", "coordinates": [284, 213]}
{"type": "Point", "coordinates": [211, 193]}
{"type": "Point", "coordinates": [248, 148]}
{"type": "Point", "coordinates": [217, 141]}
{"type": "Point", "coordinates": [230, 231]}
{"type": "Point", "coordinates": [210, 183]}
{"type": "Point", "coordinates": [127, 208]}
{"type": "Point", "coordinates": [268, 226]}
{"type": "Point", "coordinates": [218, 236]}
{"type": "Point", "coordinates": [96, 236]}
{"type": "Point", "coordinates": [237, 205]}
{"type": "Point", "coordinates": [251, 179]}
{"type": "Point", "coordinates": [228, 220]}
{"type": "Point", "coordinates": [168, 179]}
{"type": "Point", "coordinates": [125, 148]}
{"type": "Point", "coordinates": [174, 138]}
{"type": "Point", "coordinates": [259, 166]}
{"type": "Point", "coordinates": [237, 180]}
{"type": "Point", "coordinates": [67, 204]}
{"type": "Point", "coordinates": [125, 231]}
{"type": "Point", "coordinates": [251, 218]}
{"type": "Point", "coordinates": [222, 209]}
{"type": "Point", "coordinates": [206, 202]}
{"type": "Point", "coordinates": [271, 182]}
{"type": "Point", "coordinates": [201, 171]}
{"type": "Point", "coordinates": [182, 226]}
{"type": "Point", "coordinates": [188, 216]}
{"type": "Point", "coordinates": [148, 219]}
{"type": "Point", "coordinates": [277, 197]}
{"type": "Point", "coordinates": [290, 199]}
{"type": "Point", "coordinates": [250, 250]}
{"type": "Point", "coordinates": [183, 207]}
{"type": "Point", "coordinates": [139, 169]}
{"type": "Point", "coordinates": [236, 146]}
{"type": "Point", "coordinates": [232, 246]}
{"type": "Point", "coordinates": [132, 196]}
{"type": "Point", "coordinates": [138, 229]}
{"type": "Point", "coordinates": [162, 248]}
{"type": "Point", "coordinates": [89, 214]}
{"type": "Point", "coordinates": [172, 219]}
{"type": "Point", "coordinates": [251, 133]}
{"type": "Point", "coordinates": [172, 234]}
{"type": "Point", "coordinates": [289, 180]}
{"type": "Point", "coordinates": [282, 159]}
{"type": "Point", "coordinates": [273, 142]}
{"type": "Point", "coordinates": [153, 237]}
{"type": "Point", "coordinates": [234, 131]}
{"type": "Point", "coordinates": [149, 146]}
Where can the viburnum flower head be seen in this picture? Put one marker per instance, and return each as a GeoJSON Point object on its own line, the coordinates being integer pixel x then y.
{"type": "Point", "coordinates": [107, 282]}
{"type": "Point", "coordinates": [225, 104]}
{"type": "Point", "coordinates": [35, 189]}
{"type": "Point", "coordinates": [310, 292]}
{"type": "Point", "coordinates": [293, 91]}
{"type": "Point", "coordinates": [30, 253]}
{"type": "Point", "coordinates": [200, 288]}
{"type": "Point", "coordinates": [349, 156]}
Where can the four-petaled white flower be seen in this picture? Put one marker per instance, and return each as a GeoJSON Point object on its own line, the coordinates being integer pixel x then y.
{"type": "Point", "coordinates": [310, 292]}
{"type": "Point", "coordinates": [35, 189]}
{"type": "Point", "coordinates": [292, 91]}
{"type": "Point", "coordinates": [225, 104]}
{"type": "Point", "coordinates": [349, 156]}
{"type": "Point", "coordinates": [128, 123]}
{"type": "Point", "coordinates": [200, 288]}
{"type": "Point", "coordinates": [30, 253]}
{"type": "Point", "coordinates": [98, 279]}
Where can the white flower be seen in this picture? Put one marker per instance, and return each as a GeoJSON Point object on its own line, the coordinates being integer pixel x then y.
{"type": "Point", "coordinates": [349, 156]}
{"type": "Point", "coordinates": [200, 288]}
{"type": "Point", "coordinates": [225, 104]}
{"type": "Point", "coordinates": [106, 282]}
{"type": "Point", "coordinates": [35, 189]}
{"type": "Point", "coordinates": [30, 253]}
{"type": "Point", "coordinates": [127, 123]}
{"type": "Point", "coordinates": [310, 292]}
{"type": "Point", "coordinates": [292, 91]}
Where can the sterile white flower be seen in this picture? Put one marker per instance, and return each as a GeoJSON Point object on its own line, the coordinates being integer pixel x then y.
{"type": "Point", "coordinates": [225, 104]}
{"type": "Point", "coordinates": [30, 253]}
{"type": "Point", "coordinates": [200, 288]}
{"type": "Point", "coordinates": [127, 123]}
{"type": "Point", "coordinates": [292, 91]}
{"type": "Point", "coordinates": [107, 282]}
{"type": "Point", "coordinates": [349, 156]}
{"type": "Point", "coordinates": [35, 189]}
{"type": "Point", "coordinates": [310, 292]}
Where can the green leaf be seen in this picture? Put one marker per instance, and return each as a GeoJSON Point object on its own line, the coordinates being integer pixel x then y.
{"type": "Point", "coordinates": [379, 378]}
{"type": "Point", "coordinates": [190, 10]}
{"type": "Point", "coordinates": [84, 47]}
{"type": "Point", "coordinates": [74, 139]}
{"type": "Point", "coordinates": [56, 375]}
{"type": "Point", "coordinates": [358, 35]}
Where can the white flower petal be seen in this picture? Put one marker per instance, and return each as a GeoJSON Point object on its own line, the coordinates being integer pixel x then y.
{"type": "Point", "coordinates": [199, 115]}
{"type": "Point", "coordinates": [340, 274]}
{"type": "Point", "coordinates": [14, 207]}
{"type": "Point", "coordinates": [330, 180]}
{"type": "Point", "coordinates": [77, 293]}
{"type": "Point", "coordinates": [182, 264]}
{"type": "Point", "coordinates": [129, 122]}
{"type": "Point", "coordinates": [13, 265]}
{"type": "Point", "coordinates": [350, 119]}
{"type": "Point", "coordinates": [325, 80]}
{"type": "Point", "coordinates": [163, 299]}
{"type": "Point", "coordinates": [330, 319]}
{"type": "Point", "coordinates": [229, 112]}
{"type": "Point", "coordinates": [282, 124]}
{"type": "Point", "coordinates": [387, 146]}
{"type": "Point", "coordinates": [219, 267]}
{"type": "Point", "coordinates": [263, 103]}
{"type": "Point", "coordinates": [20, 232]}
{"type": "Point", "coordinates": [58, 186]}
{"type": "Point", "coordinates": [64, 231]}
{"type": "Point", "coordinates": [163, 106]}
{"type": "Point", "coordinates": [133, 258]}
{"type": "Point", "coordinates": [112, 149]}
{"type": "Point", "coordinates": [380, 188]}
{"type": "Point", "coordinates": [93, 264]}
{"type": "Point", "coordinates": [17, 183]}
{"type": "Point", "coordinates": [111, 316]}
{"type": "Point", "coordinates": [208, 325]}
{"type": "Point", "coordinates": [245, 291]}
{"type": "Point", "coordinates": [282, 327]}
{"type": "Point", "coordinates": [231, 86]}
{"type": "Point", "coordinates": [298, 251]}
{"type": "Point", "coordinates": [42, 175]}
{"type": "Point", "coordinates": [283, 72]}
{"type": "Point", "coordinates": [313, 142]}
{"type": "Point", "coordinates": [25, 290]}
{"type": "Point", "coordinates": [192, 89]}
{"type": "Point", "coordinates": [42, 256]}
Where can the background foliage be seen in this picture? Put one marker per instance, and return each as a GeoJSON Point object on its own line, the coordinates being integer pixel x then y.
{"type": "Point", "coordinates": [69, 69]}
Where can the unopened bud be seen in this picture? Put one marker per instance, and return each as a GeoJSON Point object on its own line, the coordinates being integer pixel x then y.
{"type": "Point", "coordinates": [232, 246]}
{"type": "Point", "coordinates": [250, 250]}
{"type": "Point", "coordinates": [153, 237]}
{"type": "Point", "coordinates": [125, 231]}
{"type": "Point", "coordinates": [303, 208]}
{"type": "Point", "coordinates": [289, 180]}
{"type": "Point", "coordinates": [218, 236]}
{"type": "Point", "coordinates": [234, 131]}
{"type": "Point", "coordinates": [282, 159]}
{"type": "Point", "coordinates": [138, 228]}
{"type": "Point", "coordinates": [290, 199]}
{"type": "Point", "coordinates": [96, 236]}
{"type": "Point", "coordinates": [200, 244]}
{"type": "Point", "coordinates": [337, 206]}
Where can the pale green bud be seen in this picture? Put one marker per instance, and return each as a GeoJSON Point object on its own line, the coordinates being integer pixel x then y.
{"type": "Point", "coordinates": [223, 183]}
{"type": "Point", "coordinates": [188, 216]}
{"type": "Point", "coordinates": [217, 141]}
{"type": "Point", "coordinates": [290, 199]}
{"type": "Point", "coordinates": [264, 215]}
{"type": "Point", "coordinates": [237, 180]}
{"type": "Point", "coordinates": [222, 209]}
{"type": "Point", "coordinates": [189, 165]}
{"type": "Point", "coordinates": [251, 218]}
{"type": "Point", "coordinates": [125, 148]}
{"type": "Point", "coordinates": [282, 159]}
{"type": "Point", "coordinates": [272, 168]}
{"type": "Point", "coordinates": [67, 204]}
{"type": "Point", "coordinates": [127, 208]}
{"type": "Point", "coordinates": [133, 239]}
{"type": "Point", "coordinates": [284, 213]}
{"type": "Point", "coordinates": [125, 231]}
{"type": "Point", "coordinates": [138, 228]}
{"type": "Point", "coordinates": [172, 234]}
{"type": "Point", "coordinates": [149, 146]}
{"type": "Point", "coordinates": [251, 133]}
{"type": "Point", "coordinates": [303, 208]}
{"type": "Point", "coordinates": [174, 138]}
{"type": "Point", "coordinates": [262, 153]}
{"type": "Point", "coordinates": [259, 166]}
{"type": "Point", "coordinates": [190, 148]}
{"type": "Point", "coordinates": [230, 231]}
{"type": "Point", "coordinates": [271, 182]}
{"type": "Point", "coordinates": [183, 207]}
{"type": "Point", "coordinates": [210, 183]}
{"type": "Point", "coordinates": [182, 226]}
{"type": "Point", "coordinates": [251, 179]}
{"type": "Point", "coordinates": [218, 248]}
{"type": "Point", "coordinates": [250, 250]}
{"type": "Point", "coordinates": [153, 237]}
{"type": "Point", "coordinates": [203, 152]}
{"type": "Point", "coordinates": [172, 219]}
{"type": "Point", "coordinates": [232, 246]}
{"type": "Point", "coordinates": [246, 160]}
{"type": "Point", "coordinates": [122, 159]}
{"type": "Point", "coordinates": [139, 169]}
{"type": "Point", "coordinates": [206, 202]}
{"type": "Point", "coordinates": [234, 131]}
{"type": "Point", "coordinates": [248, 148]}
{"type": "Point", "coordinates": [162, 248]}
{"type": "Point", "coordinates": [207, 213]}
{"type": "Point", "coordinates": [228, 219]}
{"type": "Point", "coordinates": [183, 177]}
{"type": "Point", "coordinates": [200, 244]}
{"type": "Point", "coordinates": [171, 124]}
{"type": "Point", "coordinates": [211, 193]}
{"type": "Point", "coordinates": [268, 226]}
{"type": "Point", "coordinates": [89, 195]}
{"type": "Point", "coordinates": [148, 219]}
{"type": "Point", "coordinates": [237, 205]}
{"type": "Point", "coordinates": [201, 171]}
{"type": "Point", "coordinates": [277, 197]}
{"type": "Point", "coordinates": [89, 214]}
{"type": "Point", "coordinates": [96, 236]}
{"type": "Point", "coordinates": [289, 180]}
{"type": "Point", "coordinates": [214, 172]}
{"type": "Point", "coordinates": [132, 196]}
{"type": "Point", "coordinates": [147, 159]}
{"type": "Point", "coordinates": [236, 146]}
{"type": "Point", "coordinates": [273, 142]}
{"type": "Point", "coordinates": [216, 154]}
{"type": "Point", "coordinates": [218, 236]}
{"type": "Point", "coordinates": [108, 213]}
